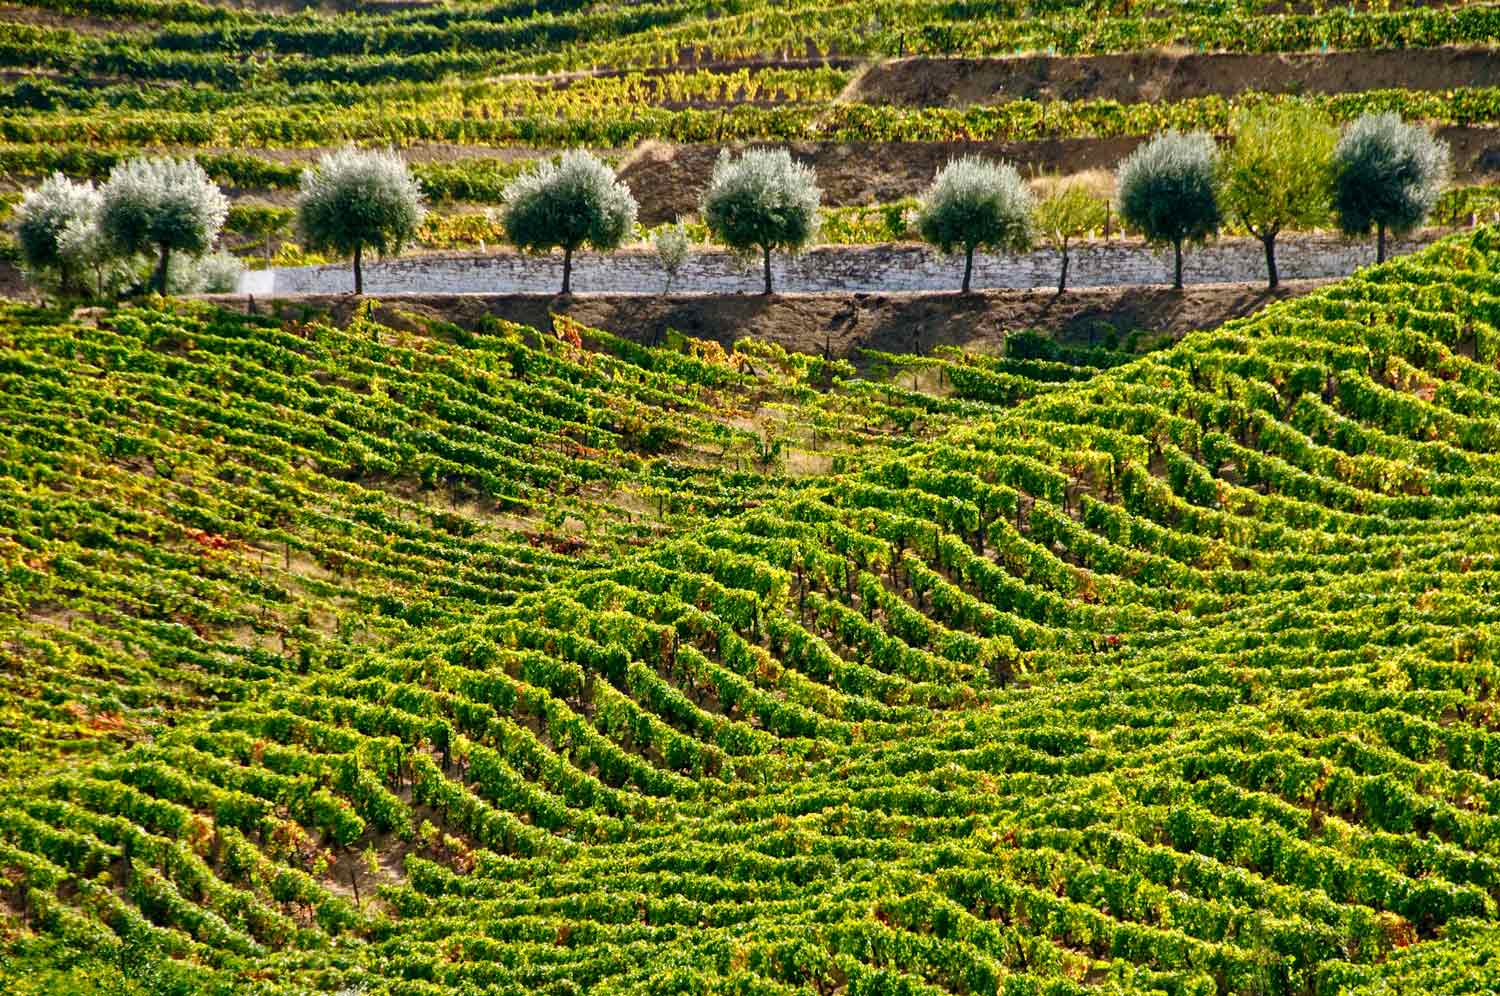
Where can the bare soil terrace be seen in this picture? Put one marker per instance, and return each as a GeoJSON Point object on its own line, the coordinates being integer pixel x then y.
{"type": "Point", "coordinates": [838, 325]}
{"type": "Point", "coordinates": [665, 179]}
{"type": "Point", "coordinates": [1135, 77]}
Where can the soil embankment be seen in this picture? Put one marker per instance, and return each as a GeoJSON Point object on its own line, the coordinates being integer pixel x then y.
{"type": "Point", "coordinates": [667, 180]}
{"type": "Point", "coordinates": [841, 325]}
{"type": "Point", "coordinates": [1134, 77]}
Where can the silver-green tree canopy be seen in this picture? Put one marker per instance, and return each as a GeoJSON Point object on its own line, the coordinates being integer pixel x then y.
{"type": "Point", "coordinates": [1277, 171]}
{"type": "Point", "coordinates": [161, 205]}
{"type": "Point", "coordinates": [1168, 191]}
{"type": "Point", "coordinates": [760, 202]}
{"type": "Point", "coordinates": [90, 252]}
{"type": "Point", "coordinates": [574, 202]}
{"type": "Point", "coordinates": [976, 204]}
{"type": "Point", "coordinates": [1387, 175]}
{"type": "Point", "coordinates": [354, 200]}
{"type": "Point", "coordinates": [49, 221]}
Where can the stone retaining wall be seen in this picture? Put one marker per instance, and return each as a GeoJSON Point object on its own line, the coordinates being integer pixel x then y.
{"type": "Point", "coordinates": [834, 269]}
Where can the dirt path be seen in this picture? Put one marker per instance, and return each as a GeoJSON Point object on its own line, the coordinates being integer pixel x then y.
{"type": "Point", "coordinates": [1164, 76]}
{"type": "Point", "coordinates": [842, 324]}
{"type": "Point", "coordinates": [84, 24]}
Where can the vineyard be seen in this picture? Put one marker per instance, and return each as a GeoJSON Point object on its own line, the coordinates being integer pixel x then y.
{"type": "Point", "coordinates": [420, 660]}
{"type": "Point", "coordinates": [422, 651]}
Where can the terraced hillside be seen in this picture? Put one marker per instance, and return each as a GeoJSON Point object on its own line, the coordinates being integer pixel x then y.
{"type": "Point", "coordinates": [197, 504]}
{"type": "Point", "coordinates": [871, 94]}
{"type": "Point", "coordinates": [1031, 674]}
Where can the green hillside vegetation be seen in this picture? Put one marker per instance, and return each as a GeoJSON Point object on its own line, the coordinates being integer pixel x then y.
{"type": "Point", "coordinates": [198, 503]}
{"type": "Point", "coordinates": [186, 38]}
{"type": "Point", "coordinates": [503, 662]}
{"type": "Point", "coordinates": [479, 92]}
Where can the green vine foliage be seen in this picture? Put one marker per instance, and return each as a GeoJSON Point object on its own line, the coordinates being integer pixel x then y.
{"type": "Point", "coordinates": [495, 659]}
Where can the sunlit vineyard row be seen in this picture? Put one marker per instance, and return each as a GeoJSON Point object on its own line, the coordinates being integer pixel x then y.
{"type": "Point", "coordinates": [189, 42]}
{"type": "Point", "coordinates": [609, 122]}
{"type": "Point", "coordinates": [506, 662]}
{"type": "Point", "coordinates": [372, 461]}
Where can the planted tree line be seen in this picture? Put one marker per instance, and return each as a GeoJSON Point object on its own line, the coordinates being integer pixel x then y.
{"type": "Point", "coordinates": [1285, 167]}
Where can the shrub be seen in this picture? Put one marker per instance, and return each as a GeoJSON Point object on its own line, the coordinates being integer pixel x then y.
{"type": "Point", "coordinates": [1277, 172]}
{"type": "Point", "coordinates": [1387, 175]}
{"type": "Point", "coordinates": [164, 205]}
{"type": "Point", "coordinates": [1068, 208]}
{"type": "Point", "coordinates": [760, 202]}
{"type": "Point", "coordinates": [214, 273]}
{"type": "Point", "coordinates": [354, 199]}
{"type": "Point", "coordinates": [1167, 191]}
{"type": "Point", "coordinates": [566, 205]}
{"type": "Point", "coordinates": [672, 247]}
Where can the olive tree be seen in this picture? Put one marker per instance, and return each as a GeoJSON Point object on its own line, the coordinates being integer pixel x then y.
{"type": "Point", "coordinates": [1387, 175]}
{"type": "Point", "coordinates": [161, 205]}
{"type": "Point", "coordinates": [975, 204]}
{"type": "Point", "coordinates": [1277, 171]}
{"type": "Point", "coordinates": [672, 247]}
{"type": "Point", "coordinates": [568, 204]}
{"type": "Point", "coordinates": [1068, 208]}
{"type": "Point", "coordinates": [760, 202]}
{"type": "Point", "coordinates": [357, 199]}
{"type": "Point", "coordinates": [50, 220]}
{"type": "Point", "coordinates": [93, 256]}
{"type": "Point", "coordinates": [1168, 191]}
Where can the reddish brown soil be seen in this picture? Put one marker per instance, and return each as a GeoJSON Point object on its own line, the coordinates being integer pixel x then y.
{"type": "Point", "coordinates": [12, 13]}
{"type": "Point", "coordinates": [666, 180]}
{"type": "Point", "coordinates": [838, 323]}
{"type": "Point", "coordinates": [1163, 76]}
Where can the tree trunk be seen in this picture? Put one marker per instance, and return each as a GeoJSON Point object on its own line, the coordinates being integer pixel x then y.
{"type": "Point", "coordinates": [766, 257]}
{"type": "Point", "coordinates": [1062, 279]}
{"type": "Point", "coordinates": [1380, 243]}
{"type": "Point", "coordinates": [567, 270]}
{"type": "Point", "coordinates": [1177, 253]}
{"type": "Point", "coordinates": [968, 267]}
{"type": "Point", "coordinates": [359, 269]}
{"type": "Point", "coordinates": [161, 271]}
{"type": "Point", "coordinates": [1269, 241]}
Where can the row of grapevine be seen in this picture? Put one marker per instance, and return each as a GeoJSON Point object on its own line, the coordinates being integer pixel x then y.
{"type": "Point", "coordinates": [1168, 673]}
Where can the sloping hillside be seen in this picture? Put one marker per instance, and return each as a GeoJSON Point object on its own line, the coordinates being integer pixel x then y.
{"type": "Point", "coordinates": [1062, 674]}
{"type": "Point", "coordinates": [197, 503]}
{"type": "Point", "coordinates": [875, 95]}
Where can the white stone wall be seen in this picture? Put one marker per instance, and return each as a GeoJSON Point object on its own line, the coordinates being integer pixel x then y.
{"type": "Point", "coordinates": [846, 269]}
